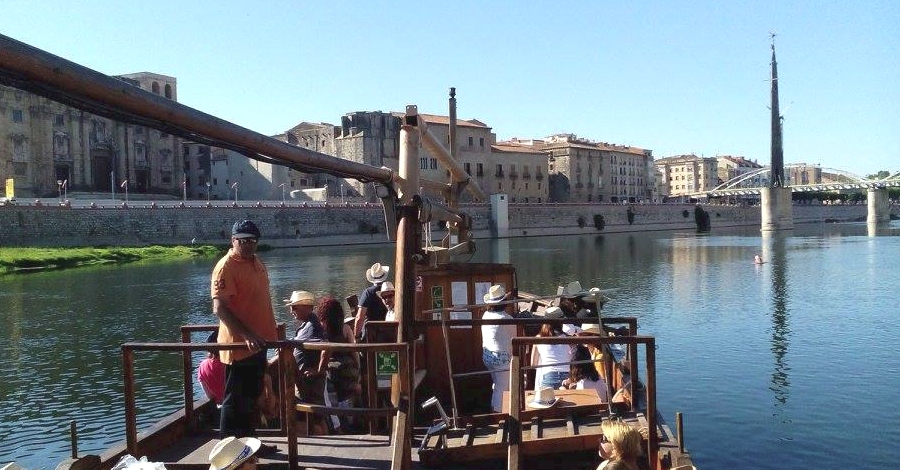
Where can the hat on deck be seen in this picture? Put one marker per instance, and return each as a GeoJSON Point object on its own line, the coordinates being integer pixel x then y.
{"type": "Point", "coordinates": [543, 398]}
{"type": "Point", "coordinates": [231, 452]}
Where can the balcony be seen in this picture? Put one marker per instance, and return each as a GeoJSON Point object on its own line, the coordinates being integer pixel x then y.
{"type": "Point", "coordinates": [526, 176]}
{"type": "Point", "coordinates": [539, 176]}
{"type": "Point", "coordinates": [513, 175]}
{"type": "Point", "coordinates": [498, 174]}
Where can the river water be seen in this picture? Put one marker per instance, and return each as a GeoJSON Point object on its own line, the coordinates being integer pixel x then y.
{"type": "Point", "coordinates": [788, 364]}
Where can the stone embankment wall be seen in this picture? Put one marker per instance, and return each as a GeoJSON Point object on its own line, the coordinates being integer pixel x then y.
{"type": "Point", "coordinates": [353, 224]}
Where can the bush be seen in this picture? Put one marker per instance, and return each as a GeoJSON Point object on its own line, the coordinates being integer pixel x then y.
{"type": "Point", "coordinates": [599, 221]}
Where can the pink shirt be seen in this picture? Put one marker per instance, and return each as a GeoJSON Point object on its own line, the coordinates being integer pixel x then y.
{"type": "Point", "coordinates": [211, 375]}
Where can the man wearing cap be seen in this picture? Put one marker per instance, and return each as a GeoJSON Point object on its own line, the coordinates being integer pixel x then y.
{"type": "Point", "coordinates": [241, 300]}
{"type": "Point", "coordinates": [370, 305]}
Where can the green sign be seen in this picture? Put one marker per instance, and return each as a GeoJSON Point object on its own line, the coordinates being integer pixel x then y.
{"type": "Point", "coordinates": [387, 362]}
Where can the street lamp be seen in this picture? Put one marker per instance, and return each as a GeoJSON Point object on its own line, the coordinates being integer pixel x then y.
{"type": "Point", "coordinates": [342, 193]}
{"type": "Point", "coordinates": [234, 186]}
{"type": "Point", "coordinates": [207, 191]}
{"type": "Point", "coordinates": [282, 191]}
{"type": "Point", "coordinates": [59, 188]}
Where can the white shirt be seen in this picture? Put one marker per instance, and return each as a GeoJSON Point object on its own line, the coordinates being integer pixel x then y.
{"type": "Point", "coordinates": [497, 338]}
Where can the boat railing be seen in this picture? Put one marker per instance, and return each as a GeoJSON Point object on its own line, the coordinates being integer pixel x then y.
{"type": "Point", "coordinates": [518, 365]}
{"type": "Point", "coordinates": [285, 388]}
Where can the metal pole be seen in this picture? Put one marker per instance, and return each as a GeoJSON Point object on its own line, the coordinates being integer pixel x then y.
{"type": "Point", "coordinates": [73, 433]}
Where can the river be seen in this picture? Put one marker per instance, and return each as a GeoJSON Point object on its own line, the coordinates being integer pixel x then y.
{"type": "Point", "coordinates": [788, 364]}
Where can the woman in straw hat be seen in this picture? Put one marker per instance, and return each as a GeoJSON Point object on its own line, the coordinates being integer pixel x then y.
{"type": "Point", "coordinates": [496, 343]}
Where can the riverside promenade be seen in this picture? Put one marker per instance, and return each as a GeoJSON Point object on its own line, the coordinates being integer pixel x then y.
{"type": "Point", "coordinates": [296, 224]}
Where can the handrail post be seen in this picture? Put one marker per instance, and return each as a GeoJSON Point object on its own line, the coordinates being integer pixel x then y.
{"type": "Point", "coordinates": [187, 368]}
{"type": "Point", "coordinates": [513, 424]}
{"type": "Point", "coordinates": [652, 438]}
{"type": "Point", "coordinates": [402, 456]}
{"type": "Point", "coordinates": [287, 406]}
{"type": "Point", "coordinates": [130, 423]}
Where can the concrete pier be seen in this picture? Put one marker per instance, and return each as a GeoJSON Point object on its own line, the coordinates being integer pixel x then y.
{"type": "Point", "coordinates": [879, 206]}
{"type": "Point", "coordinates": [777, 210]}
{"type": "Point", "coordinates": [499, 215]}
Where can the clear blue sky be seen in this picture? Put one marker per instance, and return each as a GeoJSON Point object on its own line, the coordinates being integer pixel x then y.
{"type": "Point", "coordinates": [675, 77]}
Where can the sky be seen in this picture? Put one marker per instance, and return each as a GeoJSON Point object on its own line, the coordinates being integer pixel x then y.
{"type": "Point", "coordinates": [675, 77]}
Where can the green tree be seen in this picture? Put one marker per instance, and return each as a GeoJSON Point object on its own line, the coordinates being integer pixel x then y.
{"type": "Point", "coordinates": [881, 174]}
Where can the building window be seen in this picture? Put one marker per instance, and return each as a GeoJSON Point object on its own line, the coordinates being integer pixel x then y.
{"type": "Point", "coordinates": [471, 142]}
{"type": "Point", "coordinates": [17, 115]}
{"type": "Point", "coordinates": [20, 168]}
{"type": "Point", "coordinates": [499, 173]}
{"type": "Point", "coordinates": [481, 142]}
{"type": "Point", "coordinates": [468, 167]}
{"type": "Point", "coordinates": [499, 186]}
{"type": "Point", "coordinates": [479, 169]}
{"type": "Point", "coordinates": [59, 121]}
{"type": "Point", "coordinates": [155, 88]}
{"type": "Point", "coordinates": [434, 163]}
{"type": "Point", "coordinates": [168, 91]}
{"type": "Point", "coordinates": [423, 163]}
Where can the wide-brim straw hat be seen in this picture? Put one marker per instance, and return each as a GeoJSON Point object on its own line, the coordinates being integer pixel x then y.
{"type": "Point", "coordinates": [377, 273]}
{"type": "Point", "coordinates": [573, 290]}
{"type": "Point", "coordinates": [543, 398]}
{"type": "Point", "coordinates": [300, 297]}
{"type": "Point", "coordinates": [591, 329]}
{"type": "Point", "coordinates": [231, 452]}
{"type": "Point", "coordinates": [553, 312]}
{"type": "Point", "coordinates": [495, 294]}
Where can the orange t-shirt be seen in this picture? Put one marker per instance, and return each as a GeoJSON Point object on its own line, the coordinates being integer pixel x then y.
{"type": "Point", "coordinates": [244, 285]}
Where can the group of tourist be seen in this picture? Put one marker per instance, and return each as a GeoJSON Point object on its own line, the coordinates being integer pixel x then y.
{"type": "Point", "coordinates": [551, 360]}
{"type": "Point", "coordinates": [242, 303]}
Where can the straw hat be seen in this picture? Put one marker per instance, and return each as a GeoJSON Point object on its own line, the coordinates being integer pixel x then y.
{"type": "Point", "coordinates": [553, 312]}
{"type": "Point", "coordinates": [377, 273]}
{"type": "Point", "coordinates": [495, 294]}
{"type": "Point", "coordinates": [591, 329]}
{"type": "Point", "coordinates": [300, 297]}
{"type": "Point", "coordinates": [573, 290]}
{"type": "Point", "coordinates": [387, 286]}
{"type": "Point", "coordinates": [543, 398]}
{"type": "Point", "coordinates": [230, 452]}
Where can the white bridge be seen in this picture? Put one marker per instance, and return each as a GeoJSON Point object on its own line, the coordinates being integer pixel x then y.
{"type": "Point", "coordinates": [752, 182]}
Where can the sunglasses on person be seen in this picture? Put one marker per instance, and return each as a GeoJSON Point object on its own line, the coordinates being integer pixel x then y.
{"type": "Point", "coordinates": [244, 241]}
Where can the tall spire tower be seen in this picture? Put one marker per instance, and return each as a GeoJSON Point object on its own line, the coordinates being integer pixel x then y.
{"type": "Point", "coordinates": [777, 212]}
{"type": "Point", "coordinates": [777, 168]}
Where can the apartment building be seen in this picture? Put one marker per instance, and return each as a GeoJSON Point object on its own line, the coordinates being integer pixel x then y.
{"type": "Point", "coordinates": [45, 144]}
{"type": "Point", "coordinates": [688, 174]}
{"type": "Point", "coordinates": [519, 171]}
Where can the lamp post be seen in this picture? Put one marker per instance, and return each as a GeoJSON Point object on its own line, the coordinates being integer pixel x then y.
{"type": "Point", "coordinates": [59, 189]}
{"type": "Point", "coordinates": [282, 191]}
{"type": "Point", "coordinates": [342, 193]}
{"type": "Point", "coordinates": [65, 187]}
{"type": "Point", "coordinates": [234, 186]}
{"type": "Point", "coordinates": [207, 191]}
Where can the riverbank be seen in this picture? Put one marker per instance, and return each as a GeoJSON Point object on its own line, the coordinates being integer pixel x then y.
{"type": "Point", "coordinates": [23, 260]}
{"type": "Point", "coordinates": [359, 224]}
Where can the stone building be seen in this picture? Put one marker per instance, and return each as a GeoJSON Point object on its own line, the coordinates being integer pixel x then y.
{"type": "Point", "coordinates": [731, 167]}
{"type": "Point", "coordinates": [803, 173]}
{"type": "Point", "coordinates": [319, 137]}
{"type": "Point", "coordinates": [688, 174]}
{"type": "Point", "coordinates": [370, 137]}
{"type": "Point", "coordinates": [222, 174]}
{"type": "Point", "coordinates": [521, 170]}
{"type": "Point", "coordinates": [582, 170]}
{"type": "Point", "coordinates": [45, 144]}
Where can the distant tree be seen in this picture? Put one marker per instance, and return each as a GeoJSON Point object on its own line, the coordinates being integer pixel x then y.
{"type": "Point", "coordinates": [881, 174]}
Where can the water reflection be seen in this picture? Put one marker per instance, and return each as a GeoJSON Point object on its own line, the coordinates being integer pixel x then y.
{"type": "Point", "coordinates": [774, 252]}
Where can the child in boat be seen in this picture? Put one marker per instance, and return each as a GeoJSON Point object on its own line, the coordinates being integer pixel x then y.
{"type": "Point", "coordinates": [585, 376]}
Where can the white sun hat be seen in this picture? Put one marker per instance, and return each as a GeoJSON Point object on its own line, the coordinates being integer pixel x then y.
{"type": "Point", "coordinates": [300, 297]}
{"type": "Point", "coordinates": [573, 289]}
{"type": "Point", "coordinates": [377, 273]}
{"type": "Point", "coordinates": [543, 398]}
{"type": "Point", "coordinates": [231, 452]}
{"type": "Point", "coordinates": [495, 294]}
